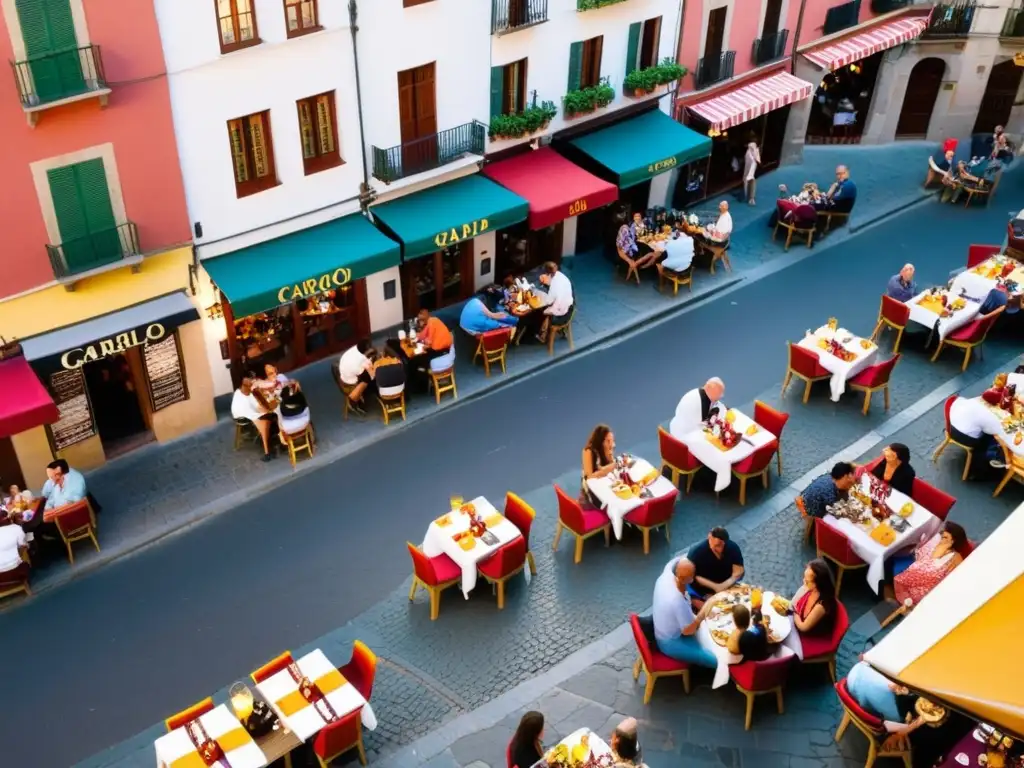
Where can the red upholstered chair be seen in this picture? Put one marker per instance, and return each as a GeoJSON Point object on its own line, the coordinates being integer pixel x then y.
{"type": "Point", "coordinates": [947, 439]}
{"type": "Point", "coordinates": [868, 724]}
{"type": "Point", "coordinates": [979, 253]}
{"type": "Point", "coordinates": [820, 649]}
{"type": "Point", "coordinates": [339, 737]}
{"type": "Point", "coordinates": [272, 667]}
{"type": "Point", "coordinates": [869, 467]}
{"type": "Point", "coordinates": [833, 545]}
{"type": "Point", "coordinates": [361, 669]}
{"type": "Point", "coordinates": [756, 677]}
{"type": "Point", "coordinates": [653, 662]}
{"type": "Point", "coordinates": [801, 220]}
{"type": "Point", "coordinates": [970, 336]}
{"type": "Point", "coordinates": [435, 574]}
{"type": "Point", "coordinates": [186, 716]}
{"type": "Point", "coordinates": [939, 503]}
{"type": "Point", "coordinates": [581, 523]}
{"type": "Point", "coordinates": [15, 581]}
{"type": "Point", "coordinates": [774, 421]}
{"type": "Point", "coordinates": [521, 515]}
{"type": "Point", "coordinates": [756, 464]}
{"type": "Point", "coordinates": [508, 561]}
{"type": "Point", "coordinates": [803, 364]}
{"type": "Point", "coordinates": [76, 523]}
{"type": "Point", "coordinates": [494, 346]}
{"type": "Point", "coordinates": [656, 513]}
{"type": "Point", "coordinates": [892, 314]}
{"type": "Point", "coordinates": [872, 379]}
{"type": "Point", "coordinates": [676, 456]}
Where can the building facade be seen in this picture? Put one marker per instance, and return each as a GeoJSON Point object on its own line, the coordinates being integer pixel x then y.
{"type": "Point", "coordinates": [97, 246]}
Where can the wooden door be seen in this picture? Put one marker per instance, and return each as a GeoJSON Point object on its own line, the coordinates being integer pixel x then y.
{"type": "Point", "coordinates": [417, 114]}
{"type": "Point", "coordinates": [716, 33]}
{"type": "Point", "coordinates": [1000, 93]}
{"type": "Point", "coordinates": [772, 15]}
{"type": "Point", "coordinates": [922, 90]}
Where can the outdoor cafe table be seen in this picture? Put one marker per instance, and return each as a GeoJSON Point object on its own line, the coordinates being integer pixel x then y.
{"type": "Point", "coordinates": [176, 750]}
{"type": "Point", "coordinates": [617, 508]}
{"type": "Point", "coordinates": [977, 281]}
{"type": "Point", "coordinates": [864, 353]}
{"type": "Point", "coordinates": [595, 745]}
{"type": "Point", "coordinates": [720, 619]}
{"type": "Point", "coordinates": [1009, 427]}
{"type": "Point", "coordinates": [923, 525]}
{"type": "Point", "coordinates": [304, 720]}
{"type": "Point", "coordinates": [441, 539]}
{"type": "Point", "coordinates": [721, 461]}
{"type": "Point", "coordinates": [925, 311]}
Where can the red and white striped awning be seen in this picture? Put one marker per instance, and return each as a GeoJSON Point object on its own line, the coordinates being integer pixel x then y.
{"type": "Point", "coordinates": [858, 47]}
{"type": "Point", "coordinates": [752, 100]}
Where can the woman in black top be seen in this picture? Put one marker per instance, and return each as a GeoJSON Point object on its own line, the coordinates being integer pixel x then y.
{"type": "Point", "coordinates": [598, 459]}
{"type": "Point", "coordinates": [525, 748]}
{"type": "Point", "coordinates": [895, 468]}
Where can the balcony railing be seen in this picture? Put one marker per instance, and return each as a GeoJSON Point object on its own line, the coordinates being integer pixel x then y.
{"type": "Point", "coordinates": [429, 152]}
{"type": "Point", "coordinates": [950, 20]}
{"type": "Point", "coordinates": [94, 250]}
{"type": "Point", "coordinates": [55, 76]}
{"type": "Point", "coordinates": [715, 69]}
{"type": "Point", "coordinates": [1014, 24]}
{"type": "Point", "coordinates": [887, 6]}
{"type": "Point", "coordinates": [770, 47]}
{"type": "Point", "coordinates": [510, 15]}
{"type": "Point", "coordinates": [841, 17]}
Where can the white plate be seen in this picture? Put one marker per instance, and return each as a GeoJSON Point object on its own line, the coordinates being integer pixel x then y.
{"type": "Point", "coordinates": [962, 758]}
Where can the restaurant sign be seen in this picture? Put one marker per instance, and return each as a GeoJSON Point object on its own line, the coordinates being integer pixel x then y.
{"type": "Point", "coordinates": [314, 285]}
{"type": "Point", "coordinates": [578, 207]}
{"type": "Point", "coordinates": [76, 358]}
{"type": "Point", "coordinates": [458, 234]}
{"type": "Point", "coordinates": [662, 165]}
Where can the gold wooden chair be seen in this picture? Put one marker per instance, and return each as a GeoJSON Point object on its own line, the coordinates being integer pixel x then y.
{"type": "Point", "coordinates": [982, 189]}
{"type": "Point", "coordinates": [675, 278]}
{"type": "Point", "coordinates": [494, 347]}
{"type": "Point", "coordinates": [804, 365]}
{"type": "Point", "coordinates": [717, 252]}
{"type": "Point", "coordinates": [891, 314]}
{"type": "Point", "coordinates": [1014, 467]}
{"type": "Point", "coordinates": [828, 216]}
{"type": "Point", "coordinates": [443, 381]}
{"type": "Point", "coordinates": [300, 441]}
{"type": "Point", "coordinates": [947, 439]}
{"type": "Point", "coordinates": [392, 405]}
{"type": "Point", "coordinates": [970, 337]}
{"type": "Point", "coordinates": [561, 330]}
{"type": "Point", "coordinates": [793, 229]}
{"type": "Point", "coordinates": [244, 431]}
{"type": "Point", "coordinates": [76, 523]}
{"type": "Point", "coordinates": [874, 731]}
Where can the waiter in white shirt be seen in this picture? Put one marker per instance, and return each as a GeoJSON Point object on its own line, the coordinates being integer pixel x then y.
{"type": "Point", "coordinates": [696, 407]}
{"type": "Point", "coordinates": [560, 299]}
{"type": "Point", "coordinates": [972, 424]}
{"type": "Point", "coordinates": [722, 229]}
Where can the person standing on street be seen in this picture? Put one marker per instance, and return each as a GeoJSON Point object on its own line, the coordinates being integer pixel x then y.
{"type": "Point", "coordinates": [751, 161]}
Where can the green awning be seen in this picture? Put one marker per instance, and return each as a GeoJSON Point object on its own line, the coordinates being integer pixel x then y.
{"type": "Point", "coordinates": [642, 147]}
{"type": "Point", "coordinates": [449, 213]}
{"type": "Point", "coordinates": [302, 264]}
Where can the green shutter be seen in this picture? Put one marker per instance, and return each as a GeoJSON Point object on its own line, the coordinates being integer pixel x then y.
{"type": "Point", "coordinates": [91, 178]}
{"type": "Point", "coordinates": [48, 30]}
{"type": "Point", "coordinates": [85, 216]}
{"type": "Point", "coordinates": [66, 206]}
{"type": "Point", "coordinates": [633, 46]}
{"type": "Point", "coordinates": [497, 86]}
{"type": "Point", "coordinates": [575, 66]}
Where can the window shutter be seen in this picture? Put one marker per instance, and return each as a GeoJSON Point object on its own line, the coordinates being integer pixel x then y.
{"type": "Point", "coordinates": [95, 195]}
{"type": "Point", "coordinates": [633, 46]}
{"type": "Point", "coordinates": [575, 66]}
{"type": "Point", "coordinates": [35, 29]}
{"type": "Point", "coordinates": [64, 194]}
{"type": "Point", "coordinates": [62, 24]}
{"type": "Point", "coordinates": [497, 87]}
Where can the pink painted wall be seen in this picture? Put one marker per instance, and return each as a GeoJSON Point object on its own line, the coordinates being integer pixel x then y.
{"type": "Point", "coordinates": [137, 121]}
{"type": "Point", "coordinates": [814, 17]}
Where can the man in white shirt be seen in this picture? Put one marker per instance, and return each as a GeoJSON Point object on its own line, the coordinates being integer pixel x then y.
{"type": "Point", "coordinates": [722, 229]}
{"type": "Point", "coordinates": [355, 369]}
{"type": "Point", "coordinates": [971, 423]}
{"type": "Point", "coordinates": [244, 405]}
{"type": "Point", "coordinates": [696, 407]}
{"type": "Point", "coordinates": [12, 541]}
{"type": "Point", "coordinates": [560, 298]}
{"type": "Point", "coordinates": [678, 253]}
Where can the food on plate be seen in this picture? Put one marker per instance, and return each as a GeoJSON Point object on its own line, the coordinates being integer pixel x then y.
{"type": "Point", "coordinates": [720, 636]}
{"type": "Point", "coordinates": [468, 509]}
{"type": "Point", "coordinates": [753, 429]}
{"type": "Point", "coordinates": [730, 416]}
{"type": "Point", "coordinates": [907, 509]}
{"type": "Point", "coordinates": [443, 520]}
{"type": "Point", "coordinates": [780, 604]}
{"type": "Point", "coordinates": [866, 344]}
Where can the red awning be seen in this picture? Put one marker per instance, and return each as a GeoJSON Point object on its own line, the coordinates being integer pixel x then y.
{"type": "Point", "coordinates": [882, 37]}
{"type": "Point", "coordinates": [25, 402]}
{"type": "Point", "coordinates": [752, 100]}
{"type": "Point", "coordinates": [555, 187]}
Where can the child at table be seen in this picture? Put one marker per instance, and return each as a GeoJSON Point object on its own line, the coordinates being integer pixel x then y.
{"type": "Point", "coordinates": [750, 638]}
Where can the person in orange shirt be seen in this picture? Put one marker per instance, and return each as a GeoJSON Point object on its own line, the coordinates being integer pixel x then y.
{"type": "Point", "coordinates": [434, 335]}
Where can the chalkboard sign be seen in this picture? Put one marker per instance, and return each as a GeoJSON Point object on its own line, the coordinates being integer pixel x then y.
{"type": "Point", "coordinates": [165, 372]}
{"type": "Point", "coordinates": [75, 423]}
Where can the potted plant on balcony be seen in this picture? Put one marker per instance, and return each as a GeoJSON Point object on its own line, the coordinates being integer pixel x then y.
{"type": "Point", "coordinates": [535, 117]}
{"type": "Point", "coordinates": [584, 100]}
{"type": "Point", "coordinates": [641, 82]}
{"type": "Point", "coordinates": [588, 5]}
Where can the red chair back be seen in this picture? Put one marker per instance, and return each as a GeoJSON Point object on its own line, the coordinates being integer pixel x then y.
{"type": "Point", "coordinates": [272, 667]}
{"type": "Point", "coordinates": [758, 461]}
{"type": "Point", "coordinates": [520, 514]}
{"type": "Point", "coordinates": [805, 362]}
{"type": "Point", "coordinates": [186, 716]}
{"type": "Point", "coordinates": [895, 311]}
{"type": "Point", "coordinates": [509, 557]}
{"type": "Point", "coordinates": [422, 566]}
{"type": "Point", "coordinates": [762, 675]}
{"type": "Point", "coordinates": [508, 755]}
{"type": "Point", "coordinates": [656, 511]}
{"type": "Point", "coordinates": [979, 253]}
{"type": "Point", "coordinates": [946, 408]}
{"type": "Point", "coordinates": [805, 216]}
{"type": "Point", "coordinates": [14, 577]}
{"type": "Point", "coordinates": [641, 641]}
{"type": "Point", "coordinates": [985, 324]}
{"type": "Point", "coordinates": [878, 374]}
{"type": "Point", "coordinates": [950, 145]}
{"type": "Point", "coordinates": [833, 542]}
{"type": "Point", "coordinates": [770, 418]}
{"type": "Point", "coordinates": [74, 518]}
{"type": "Point", "coordinates": [850, 704]}
{"type": "Point", "coordinates": [967, 549]}
{"type": "Point", "coordinates": [496, 340]}
{"type": "Point", "coordinates": [839, 626]}
{"type": "Point", "coordinates": [569, 511]}
{"type": "Point", "coordinates": [931, 498]}
{"type": "Point", "coordinates": [675, 452]}
{"type": "Point", "coordinates": [339, 736]}
{"type": "Point", "coordinates": [361, 670]}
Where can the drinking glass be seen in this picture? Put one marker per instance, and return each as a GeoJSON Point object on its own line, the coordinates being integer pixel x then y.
{"type": "Point", "coordinates": [756, 597]}
{"type": "Point", "coordinates": [455, 502]}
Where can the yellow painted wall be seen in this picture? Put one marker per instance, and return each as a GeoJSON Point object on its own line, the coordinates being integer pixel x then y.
{"type": "Point", "coordinates": [33, 451]}
{"type": "Point", "coordinates": [55, 307]}
{"type": "Point", "coordinates": [196, 412]}
{"type": "Point", "coordinates": [85, 455]}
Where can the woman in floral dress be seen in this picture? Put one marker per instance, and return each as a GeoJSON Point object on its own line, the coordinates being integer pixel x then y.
{"type": "Point", "coordinates": [933, 559]}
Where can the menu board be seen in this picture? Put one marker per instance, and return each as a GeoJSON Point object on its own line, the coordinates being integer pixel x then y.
{"type": "Point", "coordinates": [75, 423]}
{"type": "Point", "coordinates": [165, 374]}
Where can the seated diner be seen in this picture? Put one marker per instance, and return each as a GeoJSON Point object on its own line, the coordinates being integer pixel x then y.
{"type": "Point", "coordinates": [915, 575]}
{"type": "Point", "coordinates": [901, 286]}
{"type": "Point", "coordinates": [560, 298]}
{"type": "Point", "coordinates": [477, 318]}
{"type": "Point", "coordinates": [826, 490]}
{"type": "Point", "coordinates": [718, 565]}
{"type": "Point", "coordinates": [749, 639]}
{"type": "Point", "coordinates": [272, 381]}
{"type": "Point", "coordinates": [678, 253]}
{"type": "Point", "coordinates": [675, 623]}
{"type": "Point", "coordinates": [66, 486]}
{"type": "Point", "coordinates": [598, 460]}
{"type": "Point", "coordinates": [389, 373]}
{"type": "Point", "coordinates": [355, 369]}
{"type": "Point", "coordinates": [894, 468]}
{"type": "Point", "coordinates": [526, 747]}
{"type": "Point", "coordinates": [814, 603]}
{"type": "Point", "coordinates": [433, 334]}
{"type": "Point", "coordinates": [294, 410]}
{"type": "Point", "coordinates": [721, 230]}
{"type": "Point", "coordinates": [842, 195]}
{"type": "Point", "coordinates": [245, 405]}
{"type": "Point", "coordinates": [12, 544]}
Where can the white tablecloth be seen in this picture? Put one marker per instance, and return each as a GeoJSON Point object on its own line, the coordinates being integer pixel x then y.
{"type": "Point", "coordinates": [922, 524]}
{"type": "Point", "coordinates": [307, 721]}
{"type": "Point", "coordinates": [1017, 379]}
{"type": "Point", "coordinates": [721, 462]}
{"type": "Point", "coordinates": [926, 317]}
{"type": "Point", "coordinates": [617, 508]}
{"type": "Point", "coordinates": [978, 285]}
{"type": "Point", "coordinates": [1007, 436]}
{"type": "Point", "coordinates": [217, 722]}
{"type": "Point", "coordinates": [597, 745]}
{"type": "Point", "coordinates": [841, 370]}
{"type": "Point", "coordinates": [439, 541]}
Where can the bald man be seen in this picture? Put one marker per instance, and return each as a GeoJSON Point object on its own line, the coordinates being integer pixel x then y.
{"type": "Point", "coordinates": [843, 193]}
{"type": "Point", "coordinates": [901, 286]}
{"type": "Point", "coordinates": [675, 625]}
{"type": "Point", "coordinates": [696, 407]}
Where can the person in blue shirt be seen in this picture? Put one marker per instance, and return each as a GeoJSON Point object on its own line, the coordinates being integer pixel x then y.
{"type": "Point", "coordinates": [826, 490]}
{"type": "Point", "coordinates": [675, 624]}
{"type": "Point", "coordinates": [996, 298]}
{"type": "Point", "coordinates": [476, 318]}
{"type": "Point", "coordinates": [68, 485]}
{"type": "Point", "coordinates": [901, 286]}
{"type": "Point", "coordinates": [843, 193]}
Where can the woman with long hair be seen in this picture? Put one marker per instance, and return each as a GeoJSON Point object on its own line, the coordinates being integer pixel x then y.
{"type": "Point", "coordinates": [525, 749]}
{"type": "Point", "coordinates": [933, 560]}
{"type": "Point", "coordinates": [895, 468]}
{"type": "Point", "coordinates": [814, 604]}
{"type": "Point", "coordinates": [598, 458]}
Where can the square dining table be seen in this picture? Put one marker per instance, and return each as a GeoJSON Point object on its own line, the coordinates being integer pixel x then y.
{"type": "Point", "coordinates": [616, 508]}
{"type": "Point", "coordinates": [926, 310]}
{"type": "Point", "coordinates": [720, 460]}
{"type": "Point", "coordinates": [176, 749]}
{"type": "Point", "coordinates": [863, 352]}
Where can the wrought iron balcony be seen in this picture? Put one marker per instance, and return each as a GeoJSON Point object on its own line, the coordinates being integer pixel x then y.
{"type": "Point", "coordinates": [56, 77]}
{"type": "Point", "coordinates": [1014, 24]}
{"type": "Point", "coordinates": [715, 69]}
{"type": "Point", "coordinates": [510, 15]}
{"type": "Point", "coordinates": [887, 6]}
{"type": "Point", "coordinates": [770, 47]}
{"type": "Point", "coordinates": [429, 152]}
{"type": "Point", "coordinates": [841, 17]}
{"type": "Point", "coordinates": [98, 249]}
{"type": "Point", "coordinates": [950, 20]}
